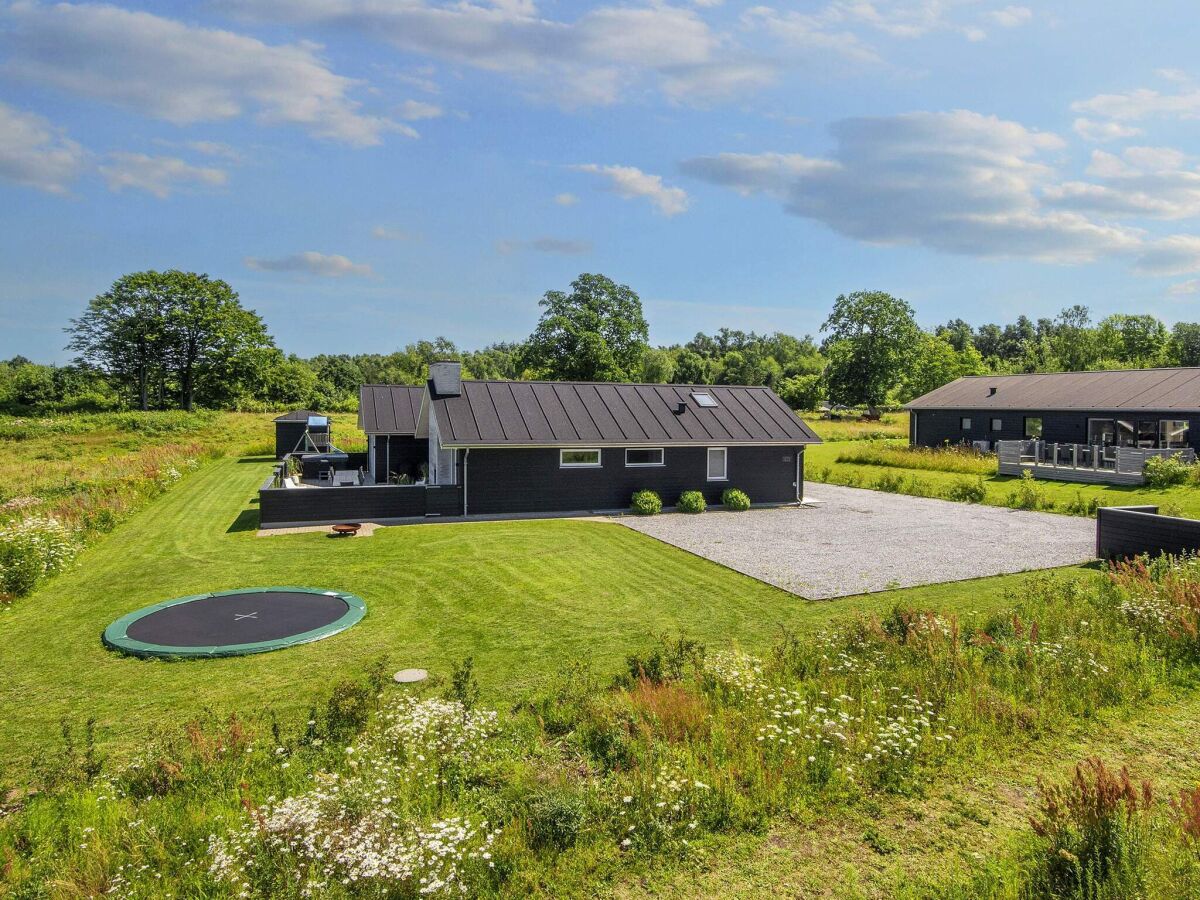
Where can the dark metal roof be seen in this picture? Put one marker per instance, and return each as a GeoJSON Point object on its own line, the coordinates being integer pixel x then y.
{"type": "Point", "coordinates": [1158, 390]}
{"type": "Point", "coordinates": [298, 415]}
{"type": "Point", "coordinates": [557, 413]}
{"type": "Point", "coordinates": [389, 408]}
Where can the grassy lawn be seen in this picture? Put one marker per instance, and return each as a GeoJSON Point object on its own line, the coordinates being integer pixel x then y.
{"type": "Point", "coordinates": [523, 598]}
{"type": "Point", "coordinates": [822, 464]}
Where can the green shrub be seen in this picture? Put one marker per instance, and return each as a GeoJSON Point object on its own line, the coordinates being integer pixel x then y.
{"type": "Point", "coordinates": [964, 490]}
{"type": "Point", "coordinates": [890, 482]}
{"type": "Point", "coordinates": [1080, 505]}
{"type": "Point", "coordinates": [691, 502]}
{"type": "Point", "coordinates": [1166, 471]}
{"type": "Point", "coordinates": [1028, 494]}
{"type": "Point", "coordinates": [30, 550]}
{"type": "Point", "coordinates": [1094, 835]}
{"type": "Point", "coordinates": [555, 819]}
{"type": "Point", "coordinates": [733, 499]}
{"type": "Point", "coordinates": [646, 503]}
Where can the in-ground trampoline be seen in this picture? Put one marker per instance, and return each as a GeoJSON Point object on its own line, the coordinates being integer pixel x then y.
{"type": "Point", "coordinates": [234, 623]}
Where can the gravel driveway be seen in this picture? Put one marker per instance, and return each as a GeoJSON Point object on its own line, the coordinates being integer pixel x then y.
{"type": "Point", "coordinates": [859, 541]}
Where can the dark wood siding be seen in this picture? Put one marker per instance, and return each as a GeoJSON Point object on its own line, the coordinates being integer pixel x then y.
{"type": "Point", "coordinates": [355, 504]}
{"type": "Point", "coordinates": [402, 454]}
{"type": "Point", "coordinates": [287, 436]}
{"type": "Point", "coordinates": [1133, 530]}
{"type": "Point", "coordinates": [935, 427]}
{"type": "Point", "coordinates": [531, 480]}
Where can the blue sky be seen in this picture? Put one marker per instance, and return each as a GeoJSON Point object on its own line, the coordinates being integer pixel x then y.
{"type": "Point", "coordinates": [369, 172]}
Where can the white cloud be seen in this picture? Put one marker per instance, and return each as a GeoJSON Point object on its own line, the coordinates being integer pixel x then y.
{"type": "Point", "coordinates": [630, 182]}
{"type": "Point", "coordinates": [1185, 288]}
{"type": "Point", "coordinates": [389, 233]}
{"type": "Point", "coordinates": [717, 82]}
{"type": "Point", "coordinates": [214, 148]}
{"type": "Point", "coordinates": [1143, 103]}
{"type": "Point", "coordinates": [958, 182]}
{"type": "Point", "coordinates": [1011, 16]}
{"type": "Point", "coordinates": [182, 73]}
{"type": "Point", "coordinates": [1145, 182]}
{"type": "Point", "coordinates": [36, 154]}
{"type": "Point", "coordinates": [157, 175]}
{"type": "Point", "coordinates": [1178, 254]}
{"type": "Point", "coordinates": [545, 245]}
{"type": "Point", "coordinates": [566, 199]}
{"type": "Point", "coordinates": [330, 265]}
{"type": "Point", "coordinates": [416, 110]}
{"type": "Point", "coordinates": [1101, 132]}
{"type": "Point", "coordinates": [591, 60]}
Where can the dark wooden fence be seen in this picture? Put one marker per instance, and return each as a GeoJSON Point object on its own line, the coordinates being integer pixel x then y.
{"type": "Point", "coordinates": [330, 505]}
{"type": "Point", "coordinates": [1123, 531]}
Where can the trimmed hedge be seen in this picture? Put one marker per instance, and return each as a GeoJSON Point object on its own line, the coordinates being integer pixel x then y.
{"type": "Point", "coordinates": [735, 500]}
{"type": "Point", "coordinates": [691, 502]}
{"type": "Point", "coordinates": [646, 503]}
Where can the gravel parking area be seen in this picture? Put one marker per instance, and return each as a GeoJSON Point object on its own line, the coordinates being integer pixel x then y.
{"type": "Point", "coordinates": [858, 541]}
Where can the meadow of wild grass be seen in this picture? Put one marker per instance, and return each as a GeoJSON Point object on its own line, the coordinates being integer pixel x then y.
{"type": "Point", "coordinates": [384, 791]}
{"type": "Point", "coordinates": [890, 425]}
{"type": "Point", "coordinates": [65, 479]}
{"type": "Point", "coordinates": [962, 460]}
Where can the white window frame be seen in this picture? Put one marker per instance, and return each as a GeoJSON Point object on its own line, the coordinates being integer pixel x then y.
{"type": "Point", "coordinates": [724, 476]}
{"type": "Point", "coordinates": [662, 458]}
{"type": "Point", "coordinates": [578, 465]}
{"type": "Point", "coordinates": [997, 424]}
{"type": "Point", "coordinates": [964, 423]}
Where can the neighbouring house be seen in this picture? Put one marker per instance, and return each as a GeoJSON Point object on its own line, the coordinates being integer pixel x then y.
{"type": "Point", "coordinates": [456, 447]}
{"type": "Point", "coordinates": [1076, 426]}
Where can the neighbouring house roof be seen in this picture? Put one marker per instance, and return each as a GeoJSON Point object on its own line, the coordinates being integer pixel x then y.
{"type": "Point", "coordinates": [590, 414]}
{"type": "Point", "coordinates": [389, 408]}
{"type": "Point", "coordinates": [1157, 390]}
{"type": "Point", "coordinates": [298, 415]}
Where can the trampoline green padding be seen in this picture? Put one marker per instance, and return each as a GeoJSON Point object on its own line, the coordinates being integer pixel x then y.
{"type": "Point", "coordinates": [235, 623]}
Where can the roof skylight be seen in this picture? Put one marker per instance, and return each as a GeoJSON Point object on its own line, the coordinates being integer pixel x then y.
{"type": "Point", "coordinates": [704, 399]}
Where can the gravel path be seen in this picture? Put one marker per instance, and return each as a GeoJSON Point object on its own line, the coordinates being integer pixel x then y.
{"type": "Point", "coordinates": [859, 541]}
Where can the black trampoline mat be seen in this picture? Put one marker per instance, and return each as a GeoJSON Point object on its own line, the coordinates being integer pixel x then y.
{"type": "Point", "coordinates": [230, 619]}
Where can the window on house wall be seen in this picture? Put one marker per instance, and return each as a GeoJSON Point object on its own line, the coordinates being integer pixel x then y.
{"type": "Point", "coordinates": [1126, 433]}
{"type": "Point", "coordinates": [1033, 428]}
{"type": "Point", "coordinates": [579, 459]}
{"type": "Point", "coordinates": [1102, 431]}
{"type": "Point", "coordinates": [965, 423]}
{"type": "Point", "coordinates": [997, 425]}
{"type": "Point", "coordinates": [717, 464]}
{"type": "Point", "coordinates": [643, 456]}
{"type": "Point", "coordinates": [1173, 433]}
{"type": "Point", "coordinates": [1147, 433]}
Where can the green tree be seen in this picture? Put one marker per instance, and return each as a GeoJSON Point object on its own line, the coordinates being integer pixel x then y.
{"type": "Point", "coordinates": [1185, 344]}
{"type": "Point", "coordinates": [935, 362]}
{"type": "Point", "coordinates": [871, 339]}
{"type": "Point", "coordinates": [595, 333]}
{"type": "Point", "coordinates": [123, 333]}
{"type": "Point", "coordinates": [1135, 340]}
{"type": "Point", "coordinates": [801, 392]}
{"type": "Point", "coordinates": [177, 328]}
{"type": "Point", "coordinates": [657, 366]}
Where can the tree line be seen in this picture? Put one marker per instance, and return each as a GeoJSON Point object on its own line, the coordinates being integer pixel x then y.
{"type": "Point", "coordinates": [166, 340]}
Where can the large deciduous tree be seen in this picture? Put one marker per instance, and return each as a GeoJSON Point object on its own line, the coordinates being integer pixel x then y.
{"type": "Point", "coordinates": [872, 338]}
{"type": "Point", "coordinates": [595, 333]}
{"type": "Point", "coordinates": [177, 329]}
